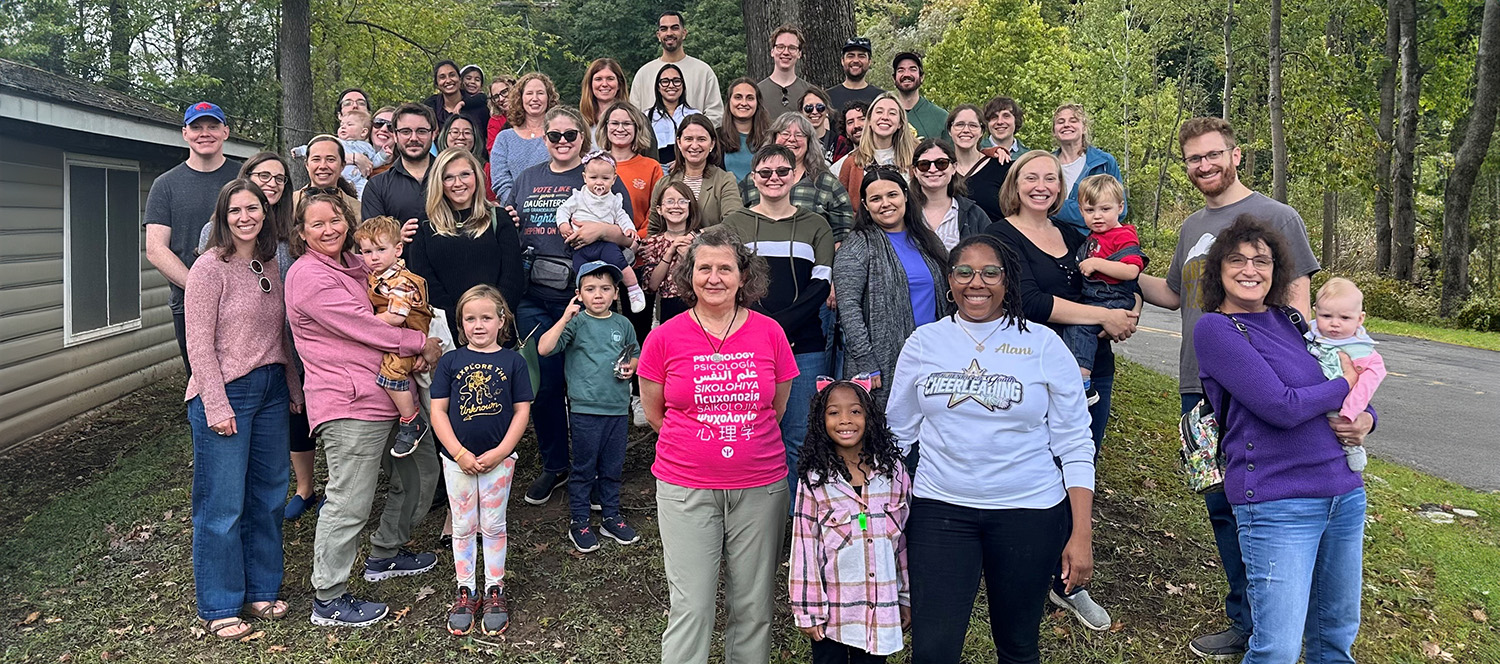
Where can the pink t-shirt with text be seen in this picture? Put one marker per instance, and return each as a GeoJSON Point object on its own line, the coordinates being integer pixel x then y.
{"type": "Point", "coordinates": [720, 429]}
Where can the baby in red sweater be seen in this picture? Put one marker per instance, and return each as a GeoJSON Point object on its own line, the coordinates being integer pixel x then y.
{"type": "Point", "coordinates": [1110, 261]}
{"type": "Point", "coordinates": [400, 298]}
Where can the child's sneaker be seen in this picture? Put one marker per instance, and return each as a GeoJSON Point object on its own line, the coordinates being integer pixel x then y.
{"type": "Point", "coordinates": [619, 531]}
{"type": "Point", "coordinates": [637, 298]}
{"type": "Point", "coordinates": [496, 616]}
{"type": "Point", "coordinates": [1089, 393]}
{"type": "Point", "coordinates": [407, 437]}
{"type": "Point", "coordinates": [583, 537]}
{"type": "Point", "coordinates": [461, 616]}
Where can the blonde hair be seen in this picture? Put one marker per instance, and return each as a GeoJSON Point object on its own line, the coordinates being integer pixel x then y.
{"type": "Point", "coordinates": [378, 228]}
{"type": "Point", "coordinates": [1095, 189]}
{"type": "Point", "coordinates": [488, 293]}
{"type": "Point", "coordinates": [440, 213]}
{"type": "Point", "coordinates": [514, 113]}
{"type": "Point", "coordinates": [645, 137]}
{"type": "Point", "coordinates": [1083, 116]}
{"type": "Point", "coordinates": [904, 141]}
{"type": "Point", "coordinates": [1340, 287]}
{"type": "Point", "coordinates": [1010, 190]}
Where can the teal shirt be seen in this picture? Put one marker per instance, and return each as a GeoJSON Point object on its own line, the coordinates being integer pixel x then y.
{"type": "Point", "coordinates": [930, 120]}
{"type": "Point", "coordinates": [590, 347]}
{"type": "Point", "coordinates": [738, 162]}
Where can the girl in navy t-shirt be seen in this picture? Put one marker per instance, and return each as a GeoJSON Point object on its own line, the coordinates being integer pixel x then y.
{"type": "Point", "coordinates": [481, 400]}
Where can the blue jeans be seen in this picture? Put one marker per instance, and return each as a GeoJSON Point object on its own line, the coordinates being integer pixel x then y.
{"type": "Point", "coordinates": [794, 421]}
{"type": "Point", "coordinates": [549, 411]}
{"type": "Point", "coordinates": [598, 460]}
{"type": "Point", "coordinates": [1227, 540]}
{"type": "Point", "coordinates": [239, 491]}
{"type": "Point", "coordinates": [1304, 558]}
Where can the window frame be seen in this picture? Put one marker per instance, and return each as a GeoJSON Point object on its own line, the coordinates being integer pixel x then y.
{"type": "Point", "coordinates": [73, 337]}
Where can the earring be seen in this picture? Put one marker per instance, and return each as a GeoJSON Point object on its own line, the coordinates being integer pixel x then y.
{"type": "Point", "coordinates": [949, 296]}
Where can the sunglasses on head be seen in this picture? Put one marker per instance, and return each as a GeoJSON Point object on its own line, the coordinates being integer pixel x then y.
{"type": "Point", "coordinates": [766, 173]}
{"type": "Point", "coordinates": [926, 165]}
{"type": "Point", "coordinates": [562, 136]}
{"type": "Point", "coordinates": [814, 108]}
{"type": "Point", "coordinates": [889, 168]}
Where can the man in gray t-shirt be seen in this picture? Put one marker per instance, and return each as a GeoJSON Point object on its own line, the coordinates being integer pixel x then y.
{"type": "Point", "coordinates": [182, 201]}
{"type": "Point", "coordinates": [1212, 160]}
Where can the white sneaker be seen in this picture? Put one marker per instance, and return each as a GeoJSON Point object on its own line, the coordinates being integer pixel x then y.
{"type": "Point", "coordinates": [638, 412]}
{"type": "Point", "coordinates": [637, 298]}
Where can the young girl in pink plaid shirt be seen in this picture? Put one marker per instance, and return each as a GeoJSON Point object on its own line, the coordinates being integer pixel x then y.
{"type": "Point", "coordinates": [848, 582]}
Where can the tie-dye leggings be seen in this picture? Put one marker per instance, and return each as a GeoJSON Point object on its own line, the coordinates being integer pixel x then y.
{"type": "Point", "coordinates": [478, 506]}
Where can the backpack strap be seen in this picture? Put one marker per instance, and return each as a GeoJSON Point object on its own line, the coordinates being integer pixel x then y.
{"type": "Point", "coordinates": [1295, 316]}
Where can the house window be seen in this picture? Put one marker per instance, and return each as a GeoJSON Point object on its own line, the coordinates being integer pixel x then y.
{"type": "Point", "coordinates": [102, 248]}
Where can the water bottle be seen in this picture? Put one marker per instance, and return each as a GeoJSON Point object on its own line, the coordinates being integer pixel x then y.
{"type": "Point", "coordinates": [527, 256]}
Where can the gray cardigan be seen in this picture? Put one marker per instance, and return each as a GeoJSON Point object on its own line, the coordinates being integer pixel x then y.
{"type": "Point", "coordinates": [875, 304]}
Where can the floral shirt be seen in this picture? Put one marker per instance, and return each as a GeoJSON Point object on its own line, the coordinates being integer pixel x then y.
{"type": "Point", "coordinates": [849, 560]}
{"type": "Point", "coordinates": [654, 250]}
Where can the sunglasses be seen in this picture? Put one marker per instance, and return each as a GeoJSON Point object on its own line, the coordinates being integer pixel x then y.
{"type": "Point", "coordinates": [766, 173]}
{"type": "Point", "coordinates": [814, 108]}
{"type": "Point", "coordinates": [562, 136]}
{"type": "Point", "coordinates": [383, 124]}
{"type": "Point", "coordinates": [939, 165]}
{"type": "Point", "coordinates": [265, 284]}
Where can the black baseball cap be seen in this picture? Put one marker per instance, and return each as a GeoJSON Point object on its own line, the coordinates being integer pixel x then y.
{"type": "Point", "coordinates": [906, 55]}
{"type": "Point", "coordinates": [857, 44]}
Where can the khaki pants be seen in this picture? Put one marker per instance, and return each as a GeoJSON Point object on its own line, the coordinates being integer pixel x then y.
{"type": "Point", "coordinates": [701, 528]}
{"type": "Point", "coordinates": [355, 451]}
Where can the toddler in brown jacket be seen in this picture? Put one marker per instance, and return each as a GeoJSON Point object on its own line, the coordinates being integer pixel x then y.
{"type": "Point", "coordinates": [400, 298]}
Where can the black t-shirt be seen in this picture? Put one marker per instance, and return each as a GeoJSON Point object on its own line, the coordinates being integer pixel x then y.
{"type": "Point", "coordinates": [1044, 276]}
{"type": "Point", "coordinates": [482, 390]}
{"type": "Point", "coordinates": [841, 96]}
{"type": "Point", "coordinates": [984, 187]}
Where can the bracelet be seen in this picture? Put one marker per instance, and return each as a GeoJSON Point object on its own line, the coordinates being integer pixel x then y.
{"type": "Point", "coordinates": [460, 455]}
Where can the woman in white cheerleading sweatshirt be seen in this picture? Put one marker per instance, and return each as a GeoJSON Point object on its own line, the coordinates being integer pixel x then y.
{"type": "Point", "coordinates": [1005, 477]}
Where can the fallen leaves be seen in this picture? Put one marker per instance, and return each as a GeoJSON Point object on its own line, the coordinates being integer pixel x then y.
{"type": "Point", "coordinates": [1480, 616]}
{"type": "Point", "coordinates": [253, 636]}
{"type": "Point", "coordinates": [425, 592]}
{"type": "Point", "coordinates": [31, 617]}
{"type": "Point", "coordinates": [1434, 651]}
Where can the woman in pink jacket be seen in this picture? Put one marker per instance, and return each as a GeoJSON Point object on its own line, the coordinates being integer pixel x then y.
{"type": "Point", "coordinates": [341, 342]}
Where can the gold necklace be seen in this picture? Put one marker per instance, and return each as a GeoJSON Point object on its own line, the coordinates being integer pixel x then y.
{"type": "Point", "coordinates": [978, 343]}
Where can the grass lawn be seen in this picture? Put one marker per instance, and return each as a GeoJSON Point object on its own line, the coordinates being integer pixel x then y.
{"type": "Point", "coordinates": [95, 565]}
{"type": "Point", "coordinates": [1447, 335]}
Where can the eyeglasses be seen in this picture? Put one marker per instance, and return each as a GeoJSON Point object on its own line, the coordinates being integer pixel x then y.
{"type": "Point", "coordinates": [1212, 155]}
{"type": "Point", "coordinates": [461, 133]}
{"type": "Point", "coordinates": [939, 165]}
{"type": "Point", "coordinates": [265, 284]}
{"type": "Point", "coordinates": [767, 173]}
{"type": "Point", "coordinates": [814, 108]}
{"type": "Point", "coordinates": [674, 202]}
{"type": "Point", "coordinates": [620, 124]}
{"type": "Point", "coordinates": [382, 124]}
{"type": "Point", "coordinates": [409, 132]}
{"type": "Point", "coordinates": [791, 134]}
{"type": "Point", "coordinates": [562, 136]}
{"type": "Point", "coordinates": [1238, 261]}
{"type": "Point", "coordinates": [670, 82]}
{"type": "Point", "coordinates": [975, 126]}
{"type": "Point", "coordinates": [991, 275]}
{"type": "Point", "coordinates": [262, 177]}
{"type": "Point", "coordinates": [499, 96]}
{"type": "Point", "coordinates": [786, 48]}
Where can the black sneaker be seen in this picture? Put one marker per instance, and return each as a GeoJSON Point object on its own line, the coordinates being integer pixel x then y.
{"type": "Point", "coordinates": [496, 615]}
{"type": "Point", "coordinates": [542, 487]}
{"type": "Point", "coordinates": [1090, 394]}
{"type": "Point", "coordinates": [584, 538]}
{"type": "Point", "coordinates": [461, 615]}
{"type": "Point", "coordinates": [408, 435]}
{"type": "Point", "coordinates": [346, 611]}
{"type": "Point", "coordinates": [404, 563]}
{"type": "Point", "coordinates": [619, 531]}
{"type": "Point", "coordinates": [1228, 644]}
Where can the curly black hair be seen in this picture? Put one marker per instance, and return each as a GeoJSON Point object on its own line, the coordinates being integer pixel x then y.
{"type": "Point", "coordinates": [1011, 309]}
{"type": "Point", "coordinates": [878, 448]}
{"type": "Point", "coordinates": [1247, 229]}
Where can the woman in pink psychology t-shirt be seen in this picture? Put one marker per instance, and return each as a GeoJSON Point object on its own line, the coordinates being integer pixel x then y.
{"type": "Point", "coordinates": [714, 384]}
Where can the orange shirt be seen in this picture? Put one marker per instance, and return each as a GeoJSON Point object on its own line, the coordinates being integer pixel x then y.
{"type": "Point", "coordinates": [639, 175]}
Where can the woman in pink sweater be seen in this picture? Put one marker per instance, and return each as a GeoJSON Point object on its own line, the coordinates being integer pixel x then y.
{"type": "Point", "coordinates": [341, 342]}
{"type": "Point", "coordinates": [239, 401]}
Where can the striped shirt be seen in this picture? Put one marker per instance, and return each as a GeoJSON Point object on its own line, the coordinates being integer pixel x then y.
{"type": "Point", "coordinates": [849, 561]}
{"type": "Point", "coordinates": [799, 254]}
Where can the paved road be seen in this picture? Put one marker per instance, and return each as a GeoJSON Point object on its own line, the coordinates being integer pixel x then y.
{"type": "Point", "coordinates": [1439, 406]}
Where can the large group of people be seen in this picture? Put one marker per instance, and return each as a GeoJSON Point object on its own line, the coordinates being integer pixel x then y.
{"type": "Point", "coordinates": [854, 319]}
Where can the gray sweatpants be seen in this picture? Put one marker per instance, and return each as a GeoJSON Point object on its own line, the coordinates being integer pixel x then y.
{"type": "Point", "coordinates": [700, 529]}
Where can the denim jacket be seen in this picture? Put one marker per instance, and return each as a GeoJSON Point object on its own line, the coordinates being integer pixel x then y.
{"type": "Point", "coordinates": [1096, 161]}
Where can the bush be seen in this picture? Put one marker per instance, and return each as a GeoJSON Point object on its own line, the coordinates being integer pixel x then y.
{"type": "Point", "coordinates": [1389, 298]}
{"type": "Point", "coordinates": [1481, 314]}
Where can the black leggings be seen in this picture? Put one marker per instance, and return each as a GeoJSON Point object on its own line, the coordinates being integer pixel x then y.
{"type": "Point", "coordinates": [949, 547]}
{"type": "Point", "coordinates": [829, 651]}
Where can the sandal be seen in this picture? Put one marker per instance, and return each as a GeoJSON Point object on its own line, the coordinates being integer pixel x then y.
{"type": "Point", "coordinates": [226, 624]}
{"type": "Point", "coordinates": [275, 610]}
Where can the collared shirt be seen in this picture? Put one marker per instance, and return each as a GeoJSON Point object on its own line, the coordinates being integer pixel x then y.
{"type": "Point", "coordinates": [849, 560]}
{"type": "Point", "coordinates": [947, 231]}
{"type": "Point", "coordinates": [395, 193]}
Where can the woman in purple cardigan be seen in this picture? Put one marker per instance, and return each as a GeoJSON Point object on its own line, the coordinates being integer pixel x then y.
{"type": "Point", "coordinates": [1301, 510]}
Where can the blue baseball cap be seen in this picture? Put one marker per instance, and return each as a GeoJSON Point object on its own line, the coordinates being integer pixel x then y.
{"type": "Point", "coordinates": [595, 266]}
{"type": "Point", "coordinates": [203, 109]}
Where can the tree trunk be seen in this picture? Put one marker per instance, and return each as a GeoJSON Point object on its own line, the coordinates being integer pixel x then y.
{"type": "Point", "coordinates": [120, 36]}
{"type": "Point", "coordinates": [1384, 135]}
{"type": "Point", "coordinates": [1467, 160]}
{"type": "Point", "coordinates": [1228, 58]}
{"type": "Point", "coordinates": [1278, 129]}
{"type": "Point", "coordinates": [296, 73]}
{"type": "Point", "coordinates": [1404, 223]}
{"type": "Point", "coordinates": [825, 25]}
{"type": "Point", "coordinates": [1330, 219]}
{"type": "Point", "coordinates": [1247, 138]}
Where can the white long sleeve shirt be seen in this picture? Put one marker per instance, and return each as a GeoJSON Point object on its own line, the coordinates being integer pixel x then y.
{"type": "Point", "coordinates": [990, 422]}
